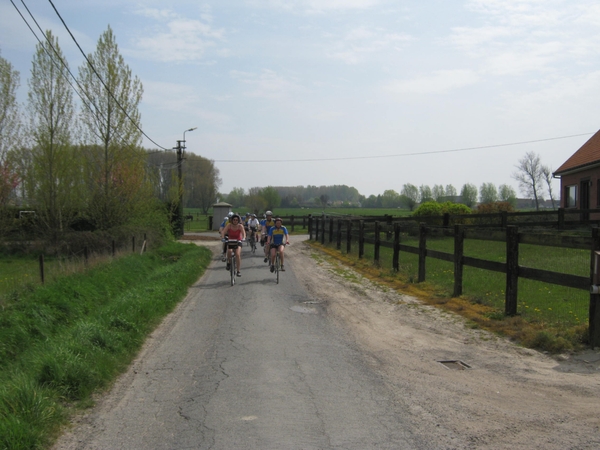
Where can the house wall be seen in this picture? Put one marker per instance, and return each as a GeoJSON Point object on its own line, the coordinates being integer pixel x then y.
{"type": "Point", "coordinates": [593, 175]}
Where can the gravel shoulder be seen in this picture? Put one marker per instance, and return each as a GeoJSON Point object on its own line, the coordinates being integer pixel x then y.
{"type": "Point", "coordinates": [508, 397]}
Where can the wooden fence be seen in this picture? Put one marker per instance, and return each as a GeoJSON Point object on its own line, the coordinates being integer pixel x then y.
{"type": "Point", "coordinates": [355, 232]}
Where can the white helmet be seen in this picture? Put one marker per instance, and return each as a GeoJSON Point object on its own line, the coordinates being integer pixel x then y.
{"type": "Point", "coordinates": [230, 214]}
{"type": "Point", "coordinates": [226, 218]}
{"type": "Point", "coordinates": [268, 213]}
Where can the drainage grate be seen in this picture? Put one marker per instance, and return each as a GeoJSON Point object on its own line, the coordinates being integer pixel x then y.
{"type": "Point", "coordinates": [455, 365]}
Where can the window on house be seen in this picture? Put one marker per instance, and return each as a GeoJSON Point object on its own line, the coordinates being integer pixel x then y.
{"type": "Point", "coordinates": [571, 196]}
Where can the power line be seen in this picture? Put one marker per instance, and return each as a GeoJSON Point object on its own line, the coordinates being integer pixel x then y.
{"type": "Point", "coordinates": [101, 80]}
{"type": "Point", "coordinates": [432, 152]}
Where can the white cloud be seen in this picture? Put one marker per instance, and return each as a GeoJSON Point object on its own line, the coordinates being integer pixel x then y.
{"type": "Point", "coordinates": [439, 82]}
{"type": "Point", "coordinates": [176, 97]}
{"type": "Point", "coordinates": [177, 38]}
{"type": "Point", "coordinates": [317, 6]}
{"type": "Point", "coordinates": [267, 84]}
{"type": "Point", "coordinates": [360, 42]}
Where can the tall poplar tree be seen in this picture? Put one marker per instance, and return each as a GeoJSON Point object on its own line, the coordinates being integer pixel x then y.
{"type": "Point", "coordinates": [10, 128]}
{"type": "Point", "coordinates": [116, 163]}
{"type": "Point", "coordinates": [52, 179]}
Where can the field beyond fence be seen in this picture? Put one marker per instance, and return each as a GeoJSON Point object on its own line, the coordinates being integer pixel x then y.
{"type": "Point", "coordinates": [540, 270]}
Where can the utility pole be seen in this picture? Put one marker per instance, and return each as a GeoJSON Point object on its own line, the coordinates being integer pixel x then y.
{"type": "Point", "coordinates": [179, 222]}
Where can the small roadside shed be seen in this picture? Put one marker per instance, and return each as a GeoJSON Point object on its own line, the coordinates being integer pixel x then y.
{"type": "Point", "coordinates": [580, 177]}
{"type": "Point", "coordinates": [220, 210]}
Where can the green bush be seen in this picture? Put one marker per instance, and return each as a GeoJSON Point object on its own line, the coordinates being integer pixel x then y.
{"type": "Point", "coordinates": [431, 211]}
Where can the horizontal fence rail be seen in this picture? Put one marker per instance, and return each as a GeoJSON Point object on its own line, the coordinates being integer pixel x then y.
{"type": "Point", "coordinates": [363, 231]}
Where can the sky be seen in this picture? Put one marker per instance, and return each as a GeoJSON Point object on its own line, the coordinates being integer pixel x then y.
{"type": "Point", "coordinates": [368, 93]}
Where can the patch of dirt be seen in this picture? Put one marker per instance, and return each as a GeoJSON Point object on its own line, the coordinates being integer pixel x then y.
{"type": "Point", "coordinates": [505, 396]}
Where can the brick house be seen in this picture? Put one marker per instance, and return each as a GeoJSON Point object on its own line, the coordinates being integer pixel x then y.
{"type": "Point", "coordinates": [580, 177]}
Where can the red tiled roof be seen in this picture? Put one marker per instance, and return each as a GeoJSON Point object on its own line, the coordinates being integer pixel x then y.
{"type": "Point", "coordinates": [587, 154]}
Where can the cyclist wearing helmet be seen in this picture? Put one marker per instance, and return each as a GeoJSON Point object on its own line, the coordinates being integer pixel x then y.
{"type": "Point", "coordinates": [278, 239]}
{"type": "Point", "coordinates": [253, 224]}
{"type": "Point", "coordinates": [265, 226]}
{"type": "Point", "coordinates": [235, 231]}
{"type": "Point", "coordinates": [221, 228]}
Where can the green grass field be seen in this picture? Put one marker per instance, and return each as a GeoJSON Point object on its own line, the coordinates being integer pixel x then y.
{"type": "Point", "coordinates": [61, 342]}
{"type": "Point", "coordinates": [547, 305]}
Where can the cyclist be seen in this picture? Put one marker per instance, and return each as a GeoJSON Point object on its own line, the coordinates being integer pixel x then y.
{"type": "Point", "coordinates": [278, 239]}
{"type": "Point", "coordinates": [235, 231]}
{"type": "Point", "coordinates": [245, 221]}
{"type": "Point", "coordinates": [221, 228]}
{"type": "Point", "coordinates": [265, 226]}
{"type": "Point", "coordinates": [253, 225]}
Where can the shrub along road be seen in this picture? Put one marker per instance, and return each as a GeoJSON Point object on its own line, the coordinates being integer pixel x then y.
{"type": "Point", "coordinates": [328, 360]}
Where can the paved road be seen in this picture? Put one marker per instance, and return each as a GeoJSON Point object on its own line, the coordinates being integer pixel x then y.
{"type": "Point", "coordinates": [253, 366]}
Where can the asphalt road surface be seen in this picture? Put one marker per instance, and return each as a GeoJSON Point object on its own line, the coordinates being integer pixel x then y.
{"type": "Point", "coordinates": [255, 366]}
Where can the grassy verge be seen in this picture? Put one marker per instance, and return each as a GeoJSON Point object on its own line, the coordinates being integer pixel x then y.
{"type": "Point", "coordinates": [550, 318]}
{"type": "Point", "coordinates": [61, 342]}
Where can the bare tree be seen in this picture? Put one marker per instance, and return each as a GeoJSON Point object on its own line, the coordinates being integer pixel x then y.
{"type": "Point", "coordinates": [529, 175]}
{"type": "Point", "coordinates": [547, 175]}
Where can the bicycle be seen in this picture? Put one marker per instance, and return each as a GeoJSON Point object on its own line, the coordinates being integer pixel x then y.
{"type": "Point", "coordinates": [232, 246]}
{"type": "Point", "coordinates": [277, 264]}
{"type": "Point", "coordinates": [252, 242]}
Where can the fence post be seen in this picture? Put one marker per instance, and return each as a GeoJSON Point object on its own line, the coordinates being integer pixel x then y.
{"type": "Point", "coordinates": [361, 239]}
{"type": "Point", "coordinates": [330, 230]}
{"type": "Point", "coordinates": [459, 239]}
{"type": "Point", "coordinates": [42, 268]}
{"type": "Point", "coordinates": [377, 243]}
{"type": "Point", "coordinates": [561, 218]}
{"type": "Point", "coordinates": [310, 228]}
{"type": "Point", "coordinates": [512, 270]}
{"type": "Point", "coordinates": [316, 227]}
{"type": "Point", "coordinates": [338, 245]}
{"type": "Point", "coordinates": [303, 222]}
{"type": "Point", "coordinates": [323, 222]}
{"type": "Point", "coordinates": [422, 250]}
{"type": "Point", "coordinates": [210, 222]}
{"type": "Point", "coordinates": [396, 258]}
{"type": "Point", "coordinates": [292, 222]}
{"type": "Point", "coordinates": [349, 237]}
{"type": "Point", "coordinates": [133, 243]}
{"type": "Point", "coordinates": [594, 312]}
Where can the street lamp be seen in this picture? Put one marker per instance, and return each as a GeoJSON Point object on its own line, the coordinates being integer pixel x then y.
{"type": "Point", "coordinates": [191, 129]}
{"type": "Point", "coordinates": [180, 147]}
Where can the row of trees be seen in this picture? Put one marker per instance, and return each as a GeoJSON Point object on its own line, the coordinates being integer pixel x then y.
{"type": "Point", "coordinates": [86, 164]}
{"type": "Point", "coordinates": [535, 180]}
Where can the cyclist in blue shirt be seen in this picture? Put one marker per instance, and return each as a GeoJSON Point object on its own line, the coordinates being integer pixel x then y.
{"type": "Point", "coordinates": [265, 225]}
{"type": "Point", "coordinates": [277, 240]}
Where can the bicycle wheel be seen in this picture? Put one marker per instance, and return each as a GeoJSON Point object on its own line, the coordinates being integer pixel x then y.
{"type": "Point", "coordinates": [232, 269]}
{"type": "Point", "coordinates": [277, 267]}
